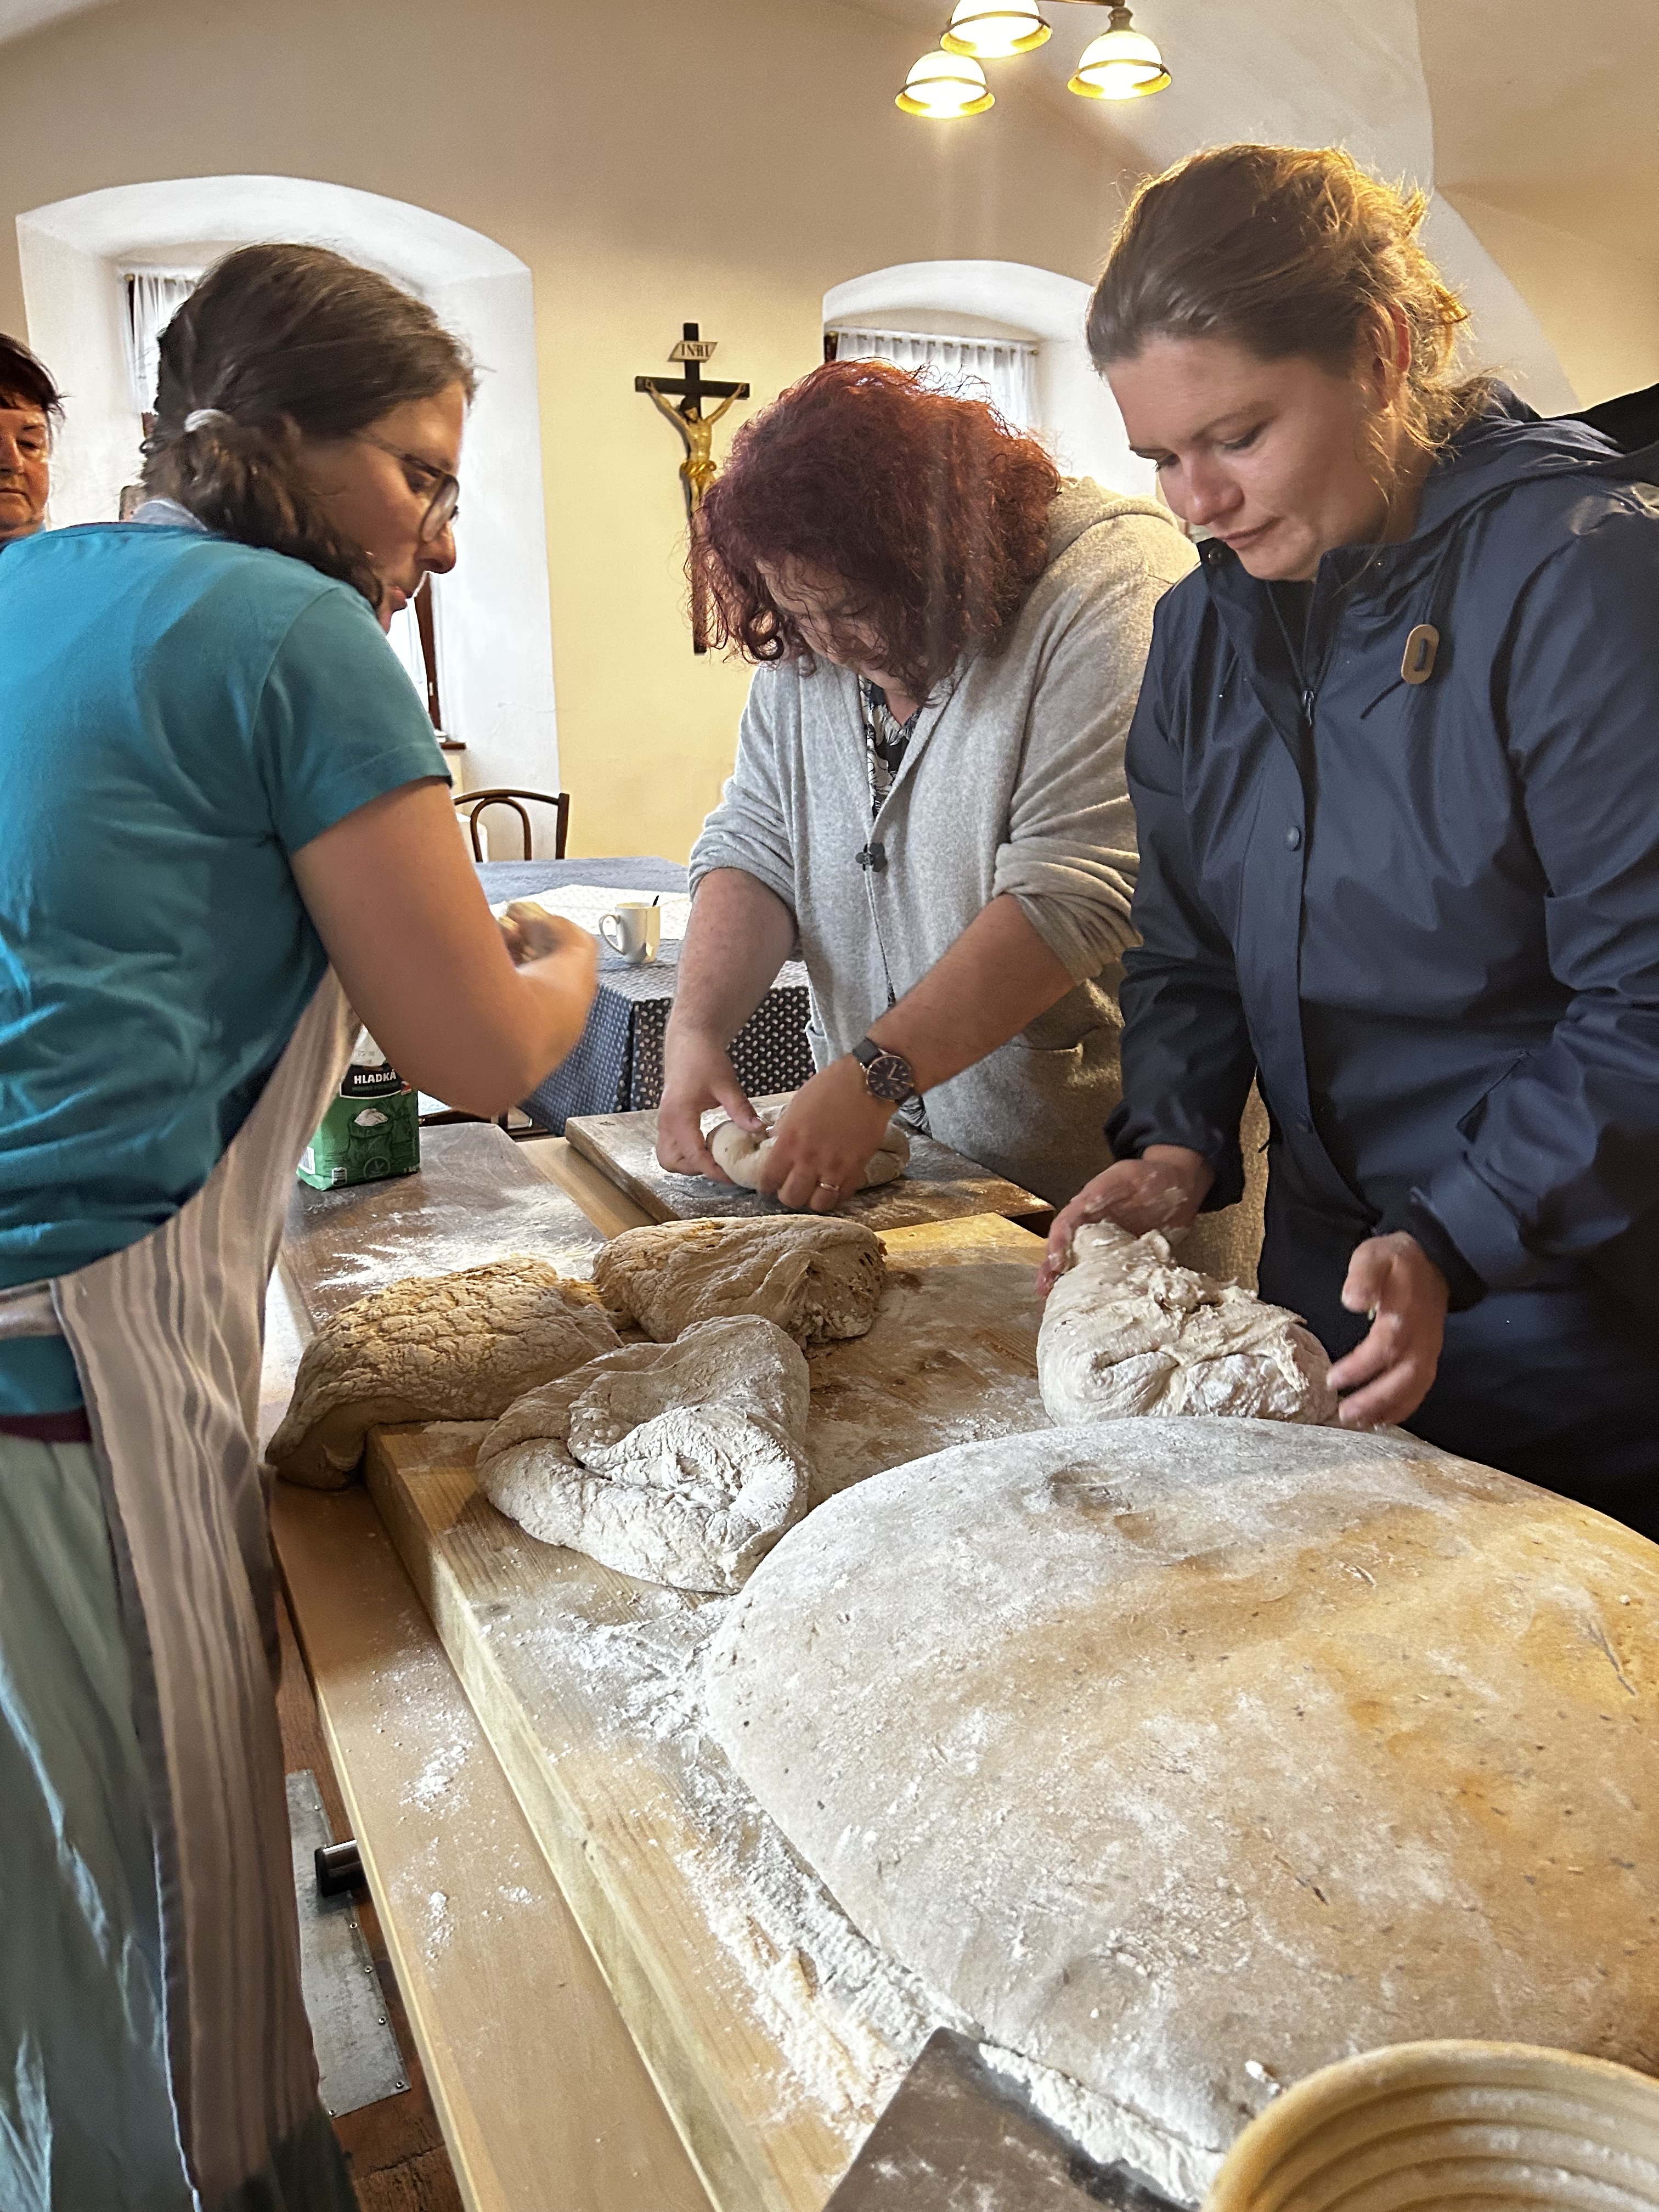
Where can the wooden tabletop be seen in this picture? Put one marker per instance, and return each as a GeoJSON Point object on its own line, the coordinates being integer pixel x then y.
{"type": "Point", "coordinates": [773, 2031]}
{"type": "Point", "coordinates": [645, 2082]}
{"type": "Point", "coordinates": [939, 1185]}
{"type": "Point", "coordinates": [476, 1198]}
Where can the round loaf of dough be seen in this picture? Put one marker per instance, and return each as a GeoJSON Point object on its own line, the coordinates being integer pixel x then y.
{"type": "Point", "coordinates": [1190, 1756]}
{"type": "Point", "coordinates": [456, 1347]}
{"type": "Point", "coordinates": [1126, 1330]}
{"type": "Point", "coordinates": [743, 1155]}
{"type": "Point", "coordinates": [815, 1277]}
{"type": "Point", "coordinates": [679, 1463]}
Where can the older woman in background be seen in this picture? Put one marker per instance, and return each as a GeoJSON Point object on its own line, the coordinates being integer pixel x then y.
{"type": "Point", "coordinates": [929, 796]}
{"type": "Point", "coordinates": [29, 405]}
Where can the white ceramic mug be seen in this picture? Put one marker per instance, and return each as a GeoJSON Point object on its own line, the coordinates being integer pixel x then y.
{"type": "Point", "coordinates": [635, 931]}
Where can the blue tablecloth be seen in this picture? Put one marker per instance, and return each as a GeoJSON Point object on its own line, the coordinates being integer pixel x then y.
{"type": "Point", "coordinates": [618, 1067]}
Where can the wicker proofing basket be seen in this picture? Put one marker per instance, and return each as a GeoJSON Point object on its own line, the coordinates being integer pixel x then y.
{"type": "Point", "coordinates": [1426, 2125]}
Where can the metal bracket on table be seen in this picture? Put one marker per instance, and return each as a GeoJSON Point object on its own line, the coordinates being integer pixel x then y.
{"type": "Point", "coordinates": [958, 2136]}
{"type": "Point", "coordinates": [357, 2054]}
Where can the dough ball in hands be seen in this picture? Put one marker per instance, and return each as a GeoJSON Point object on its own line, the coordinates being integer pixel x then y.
{"type": "Point", "coordinates": [1187, 1756]}
{"type": "Point", "coordinates": [743, 1155]}
{"type": "Point", "coordinates": [681, 1463]}
{"type": "Point", "coordinates": [1126, 1330]}
{"type": "Point", "coordinates": [456, 1347]}
{"type": "Point", "coordinates": [814, 1278]}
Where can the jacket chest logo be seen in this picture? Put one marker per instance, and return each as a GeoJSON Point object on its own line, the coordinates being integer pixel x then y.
{"type": "Point", "coordinates": [1417, 662]}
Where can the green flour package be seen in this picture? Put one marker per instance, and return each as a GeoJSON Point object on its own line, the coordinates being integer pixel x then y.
{"type": "Point", "coordinates": [371, 1131]}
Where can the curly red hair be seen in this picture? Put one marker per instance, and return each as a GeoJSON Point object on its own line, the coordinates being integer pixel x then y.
{"type": "Point", "coordinates": [930, 513]}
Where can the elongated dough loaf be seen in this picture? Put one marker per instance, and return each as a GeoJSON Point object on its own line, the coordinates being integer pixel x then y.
{"type": "Point", "coordinates": [743, 1156]}
{"type": "Point", "coordinates": [679, 1462]}
{"type": "Point", "coordinates": [1127, 1330]}
{"type": "Point", "coordinates": [815, 1277]}
{"type": "Point", "coordinates": [1188, 1756]}
{"type": "Point", "coordinates": [456, 1347]}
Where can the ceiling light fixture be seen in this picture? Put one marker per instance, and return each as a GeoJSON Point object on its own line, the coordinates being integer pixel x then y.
{"type": "Point", "coordinates": [1122, 63]}
{"type": "Point", "coordinates": [995, 29]}
{"type": "Point", "coordinates": [943, 86]}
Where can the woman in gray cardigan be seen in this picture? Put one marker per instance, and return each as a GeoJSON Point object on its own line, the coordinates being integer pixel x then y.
{"type": "Point", "coordinates": [928, 805]}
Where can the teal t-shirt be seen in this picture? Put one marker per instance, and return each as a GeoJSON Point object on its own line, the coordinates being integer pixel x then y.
{"type": "Point", "coordinates": [178, 715]}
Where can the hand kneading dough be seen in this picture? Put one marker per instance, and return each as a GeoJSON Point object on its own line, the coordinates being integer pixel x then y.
{"type": "Point", "coordinates": [743, 1156]}
{"type": "Point", "coordinates": [815, 1278]}
{"type": "Point", "coordinates": [1126, 1331]}
{"type": "Point", "coordinates": [1190, 1756]}
{"type": "Point", "coordinates": [680, 1463]}
{"type": "Point", "coordinates": [431, 1348]}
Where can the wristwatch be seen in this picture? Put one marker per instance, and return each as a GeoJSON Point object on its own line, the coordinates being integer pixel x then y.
{"type": "Point", "coordinates": [887, 1075]}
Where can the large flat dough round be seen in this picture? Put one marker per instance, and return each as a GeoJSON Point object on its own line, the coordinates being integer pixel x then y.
{"type": "Point", "coordinates": [816, 1279]}
{"type": "Point", "coordinates": [1190, 1756]}
{"type": "Point", "coordinates": [1128, 1330]}
{"type": "Point", "coordinates": [744, 1157]}
{"type": "Point", "coordinates": [457, 1347]}
{"type": "Point", "coordinates": [681, 1463]}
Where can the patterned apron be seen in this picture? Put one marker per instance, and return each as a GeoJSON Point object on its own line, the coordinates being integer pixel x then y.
{"type": "Point", "coordinates": [168, 1337]}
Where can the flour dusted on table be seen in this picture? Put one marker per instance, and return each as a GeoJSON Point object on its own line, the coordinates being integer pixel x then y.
{"type": "Point", "coordinates": [457, 1347]}
{"type": "Point", "coordinates": [816, 1279]}
{"type": "Point", "coordinates": [1186, 1757]}
{"type": "Point", "coordinates": [1127, 1330]}
{"type": "Point", "coordinates": [681, 1463]}
{"type": "Point", "coordinates": [743, 1155]}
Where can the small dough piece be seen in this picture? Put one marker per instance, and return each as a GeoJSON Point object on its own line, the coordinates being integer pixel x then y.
{"type": "Point", "coordinates": [1126, 1330]}
{"type": "Point", "coordinates": [680, 1463]}
{"type": "Point", "coordinates": [1186, 1757]}
{"type": "Point", "coordinates": [456, 1347]}
{"type": "Point", "coordinates": [814, 1278]}
{"type": "Point", "coordinates": [743, 1156]}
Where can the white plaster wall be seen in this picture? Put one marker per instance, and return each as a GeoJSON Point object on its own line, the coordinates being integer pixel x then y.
{"type": "Point", "coordinates": [1080, 420]}
{"type": "Point", "coordinates": [496, 642]}
{"type": "Point", "coordinates": [1504, 333]}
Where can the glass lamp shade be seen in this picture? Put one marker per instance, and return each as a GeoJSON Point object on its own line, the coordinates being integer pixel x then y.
{"type": "Point", "coordinates": [943, 86]}
{"type": "Point", "coordinates": [1122, 63]}
{"type": "Point", "coordinates": [993, 29]}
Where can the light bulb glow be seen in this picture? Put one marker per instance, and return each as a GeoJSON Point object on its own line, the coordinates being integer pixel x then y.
{"type": "Point", "coordinates": [1121, 65]}
{"type": "Point", "coordinates": [942, 86]}
{"type": "Point", "coordinates": [995, 29]}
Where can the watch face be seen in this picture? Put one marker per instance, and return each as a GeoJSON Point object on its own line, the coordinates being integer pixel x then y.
{"type": "Point", "coordinates": [888, 1075]}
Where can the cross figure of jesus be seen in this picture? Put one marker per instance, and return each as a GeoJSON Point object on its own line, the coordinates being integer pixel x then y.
{"type": "Point", "coordinates": [697, 470]}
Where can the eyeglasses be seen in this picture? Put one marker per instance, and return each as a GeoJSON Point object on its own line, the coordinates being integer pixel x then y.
{"type": "Point", "coordinates": [446, 502]}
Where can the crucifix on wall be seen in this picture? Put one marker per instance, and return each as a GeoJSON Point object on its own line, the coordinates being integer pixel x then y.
{"type": "Point", "coordinates": [681, 398]}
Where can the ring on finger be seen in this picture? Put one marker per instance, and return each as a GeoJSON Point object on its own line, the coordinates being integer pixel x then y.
{"type": "Point", "coordinates": [823, 1185]}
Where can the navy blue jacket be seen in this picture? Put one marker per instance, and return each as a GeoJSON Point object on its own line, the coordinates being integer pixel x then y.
{"type": "Point", "coordinates": [1426, 916]}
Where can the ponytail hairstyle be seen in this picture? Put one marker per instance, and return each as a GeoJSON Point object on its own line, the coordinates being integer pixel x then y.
{"type": "Point", "coordinates": [1286, 250]}
{"type": "Point", "coordinates": [278, 343]}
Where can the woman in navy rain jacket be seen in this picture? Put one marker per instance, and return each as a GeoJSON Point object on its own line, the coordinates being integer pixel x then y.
{"type": "Point", "coordinates": [1395, 766]}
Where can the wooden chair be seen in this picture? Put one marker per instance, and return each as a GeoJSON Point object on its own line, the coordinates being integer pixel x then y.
{"type": "Point", "coordinates": [473, 803]}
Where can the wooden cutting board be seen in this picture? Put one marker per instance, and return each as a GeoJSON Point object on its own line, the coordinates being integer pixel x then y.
{"type": "Point", "coordinates": [475, 1198]}
{"type": "Point", "coordinates": [940, 1185]}
{"type": "Point", "coordinates": [773, 2033]}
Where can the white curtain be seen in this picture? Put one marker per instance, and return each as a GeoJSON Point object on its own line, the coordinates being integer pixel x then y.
{"type": "Point", "coordinates": [154, 297]}
{"type": "Point", "coordinates": [405, 636]}
{"type": "Point", "coordinates": [1001, 370]}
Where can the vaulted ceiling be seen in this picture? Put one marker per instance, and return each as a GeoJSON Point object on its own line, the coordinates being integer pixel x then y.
{"type": "Point", "coordinates": [1542, 108]}
{"type": "Point", "coordinates": [17, 16]}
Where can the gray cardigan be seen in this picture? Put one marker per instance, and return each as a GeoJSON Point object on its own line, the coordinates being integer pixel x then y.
{"type": "Point", "coordinates": [1012, 783]}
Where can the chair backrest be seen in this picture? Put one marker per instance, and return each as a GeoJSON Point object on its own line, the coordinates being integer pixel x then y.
{"type": "Point", "coordinates": [472, 804]}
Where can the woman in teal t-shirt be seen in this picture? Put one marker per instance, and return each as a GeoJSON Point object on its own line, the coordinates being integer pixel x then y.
{"type": "Point", "coordinates": [221, 795]}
